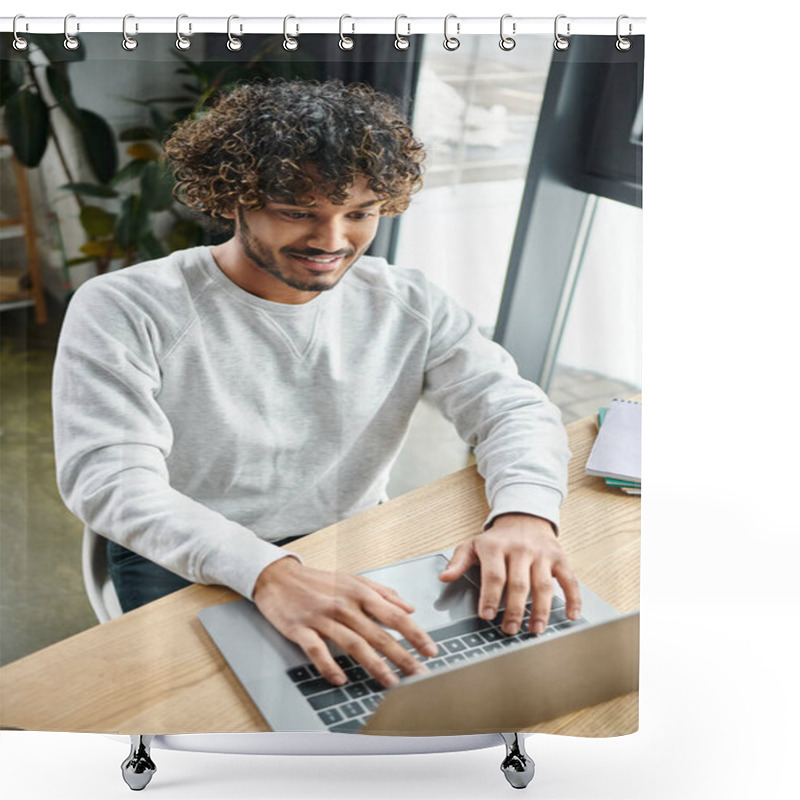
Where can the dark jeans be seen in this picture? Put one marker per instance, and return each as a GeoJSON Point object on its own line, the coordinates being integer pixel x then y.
{"type": "Point", "coordinates": [139, 581]}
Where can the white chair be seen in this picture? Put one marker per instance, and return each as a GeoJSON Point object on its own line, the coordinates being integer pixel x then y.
{"type": "Point", "coordinates": [138, 768]}
{"type": "Point", "coordinates": [99, 587]}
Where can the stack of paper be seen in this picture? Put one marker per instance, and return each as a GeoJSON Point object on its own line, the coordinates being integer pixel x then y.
{"type": "Point", "coordinates": [617, 452]}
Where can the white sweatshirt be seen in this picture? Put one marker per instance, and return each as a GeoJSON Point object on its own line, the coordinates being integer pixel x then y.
{"type": "Point", "coordinates": [195, 422]}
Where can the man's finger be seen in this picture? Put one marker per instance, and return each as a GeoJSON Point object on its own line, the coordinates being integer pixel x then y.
{"type": "Point", "coordinates": [572, 592]}
{"type": "Point", "coordinates": [518, 587]}
{"type": "Point", "coordinates": [493, 580]}
{"type": "Point", "coordinates": [318, 653]}
{"type": "Point", "coordinates": [394, 618]}
{"type": "Point", "coordinates": [354, 644]}
{"type": "Point", "coordinates": [366, 644]}
{"type": "Point", "coordinates": [385, 644]}
{"type": "Point", "coordinates": [463, 558]}
{"type": "Point", "coordinates": [542, 587]}
{"type": "Point", "coordinates": [387, 593]}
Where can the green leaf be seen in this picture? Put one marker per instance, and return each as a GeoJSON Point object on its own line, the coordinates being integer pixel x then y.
{"type": "Point", "coordinates": [106, 249]}
{"type": "Point", "coordinates": [200, 74]}
{"type": "Point", "coordinates": [183, 234]}
{"type": "Point", "coordinates": [52, 45]}
{"type": "Point", "coordinates": [19, 71]}
{"type": "Point", "coordinates": [168, 99]}
{"type": "Point", "coordinates": [90, 189]}
{"type": "Point", "coordinates": [133, 169]}
{"type": "Point", "coordinates": [12, 77]}
{"type": "Point", "coordinates": [150, 247]}
{"type": "Point", "coordinates": [101, 147]}
{"type": "Point", "coordinates": [183, 113]}
{"type": "Point", "coordinates": [157, 187]}
{"type": "Point", "coordinates": [27, 121]}
{"type": "Point", "coordinates": [97, 222]}
{"type": "Point", "coordinates": [138, 133]}
{"type": "Point", "coordinates": [136, 101]}
{"type": "Point", "coordinates": [142, 151]}
{"type": "Point", "coordinates": [73, 262]}
{"type": "Point", "coordinates": [59, 84]}
{"type": "Point", "coordinates": [133, 222]}
{"type": "Point", "coordinates": [160, 122]}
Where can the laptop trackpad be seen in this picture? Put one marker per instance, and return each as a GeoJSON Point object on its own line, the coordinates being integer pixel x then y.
{"type": "Point", "coordinates": [436, 603]}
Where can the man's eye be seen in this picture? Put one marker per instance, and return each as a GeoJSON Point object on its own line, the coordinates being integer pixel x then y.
{"type": "Point", "coordinates": [296, 214]}
{"type": "Point", "coordinates": [360, 215]}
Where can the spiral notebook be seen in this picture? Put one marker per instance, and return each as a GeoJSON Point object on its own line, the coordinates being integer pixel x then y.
{"type": "Point", "coordinates": [617, 451]}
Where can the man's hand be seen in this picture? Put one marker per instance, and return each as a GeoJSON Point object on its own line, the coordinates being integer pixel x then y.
{"type": "Point", "coordinates": [520, 553]}
{"type": "Point", "coordinates": [309, 605]}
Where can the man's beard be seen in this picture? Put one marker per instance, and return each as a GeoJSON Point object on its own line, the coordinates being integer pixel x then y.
{"type": "Point", "coordinates": [265, 259]}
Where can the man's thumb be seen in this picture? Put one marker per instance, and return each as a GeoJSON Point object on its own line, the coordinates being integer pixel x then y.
{"type": "Point", "coordinates": [462, 560]}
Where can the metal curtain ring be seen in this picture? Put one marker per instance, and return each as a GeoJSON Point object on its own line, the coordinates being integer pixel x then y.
{"type": "Point", "coordinates": [128, 42]}
{"type": "Point", "coordinates": [560, 43]}
{"type": "Point", "coordinates": [400, 42]}
{"type": "Point", "coordinates": [507, 42]}
{"type": "Point", "coordinates": [451, 42]}
{"type": "Point", "coordinates": [19, 42]}
{"type": "Point", "coordinates": [622, 43]}
{"type": "Point", "coordinates": [70, 42]}
{"type": "Point", "coordinates": [233, 44]}
{"type": "Point", "coordinates": [289, 43]}
{"type": "Point", "coordinates": [346, 42]}
{"type": "Point", "coordinates": [181, 42]}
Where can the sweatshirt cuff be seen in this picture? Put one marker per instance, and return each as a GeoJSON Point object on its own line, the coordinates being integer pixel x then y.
{"type": "Point", "coordinates": [527, 498]}
{"type": "Point", "coordinates": [241, 569]}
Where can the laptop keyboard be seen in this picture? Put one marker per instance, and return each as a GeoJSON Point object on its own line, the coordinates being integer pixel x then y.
{"type": "Point", "coordinates": [345, 709]}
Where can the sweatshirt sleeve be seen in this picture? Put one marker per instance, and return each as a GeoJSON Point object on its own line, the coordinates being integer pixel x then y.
{"type": "Point", "coordinates": [112, 440]}
{"type": "Point", "coordinates": [520, 442]}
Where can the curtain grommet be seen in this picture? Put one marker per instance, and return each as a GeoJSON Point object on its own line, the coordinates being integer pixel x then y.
{"type": "Point", "coordinates": [346, 43]}
{"type": "Point", "coordinates": [233, 44]}
{"type": "Point", "coordinates": [20, 42]}
{"type": "Point", "coordinates": [623, 44]}
{"type": "Point", "coordinates": [401, 42]}
{"type": "Point", "coordinates": [290, 43]}
{"type": "Point", "coordinates": [128, 42]}
{"type": "Point", "coordinates": [71, 43]}
{"type": "Point", "coordinates": [451, 43]}
{"type": "Point", "coordinates": [560, 42]}
{"type": "Point", "coordinates": [507, 43]}
{"type": "Point", "coordinates": [181, 42]}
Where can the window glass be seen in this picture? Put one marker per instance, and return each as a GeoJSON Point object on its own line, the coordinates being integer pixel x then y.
{"type": "Point", "coordinates": [476, 110]}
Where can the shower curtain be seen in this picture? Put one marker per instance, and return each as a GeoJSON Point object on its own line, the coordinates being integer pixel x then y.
{"type": "Point", "coordinates": [521, 232]}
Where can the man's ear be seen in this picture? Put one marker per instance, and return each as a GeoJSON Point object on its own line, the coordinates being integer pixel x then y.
{"type": "Point", "coordinates": [232, 213]}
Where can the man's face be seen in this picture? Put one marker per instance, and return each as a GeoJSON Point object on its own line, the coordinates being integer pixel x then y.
{"type": "Point", "coordinates": [309, 248]}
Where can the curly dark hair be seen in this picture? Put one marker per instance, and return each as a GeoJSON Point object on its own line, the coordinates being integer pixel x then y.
{"type": "Point", "coordinates": [259, 140]}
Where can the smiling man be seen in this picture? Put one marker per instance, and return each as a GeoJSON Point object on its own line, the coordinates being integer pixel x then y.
{"type": "Point", "coordinates": [289, 252]}
{"type": "Point", "coordinates": [223, 400]}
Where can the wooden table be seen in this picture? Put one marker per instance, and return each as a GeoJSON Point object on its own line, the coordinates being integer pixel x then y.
{"type": "Point", "coordinates": [154, 670]}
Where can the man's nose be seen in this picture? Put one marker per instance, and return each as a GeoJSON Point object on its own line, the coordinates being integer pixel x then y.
{"type": "Point", "coordinates": [328, 235]}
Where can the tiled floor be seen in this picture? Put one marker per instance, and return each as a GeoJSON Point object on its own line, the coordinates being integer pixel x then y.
{"type": "Point", "coordinates": [42, 599]}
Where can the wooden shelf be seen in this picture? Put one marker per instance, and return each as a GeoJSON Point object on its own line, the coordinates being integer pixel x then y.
{"type": "Point", "coordinates": [10, 291]}
{"type": "Point", "coordinates": [11, 295]}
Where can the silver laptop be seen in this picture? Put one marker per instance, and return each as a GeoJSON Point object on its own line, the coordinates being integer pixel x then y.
{"type": "Point", "coordinates": [480, 681]}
